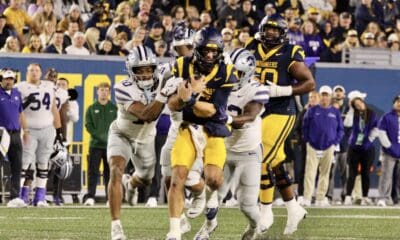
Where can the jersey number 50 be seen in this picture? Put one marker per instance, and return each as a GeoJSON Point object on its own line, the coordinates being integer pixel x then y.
{"type": "Point", "coordinates": [269, 74]}
{"type": "Point", "coordinates": [46, 101]}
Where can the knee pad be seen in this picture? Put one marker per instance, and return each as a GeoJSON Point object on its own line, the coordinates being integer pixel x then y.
{"type": "Point", "coordinates": [193, 178]}
{"type": "Point", "coordinates": [267, 180]}
{"type": "Point", "coordinates": [42, 173]}
{"type": "Point", "coordinates": [283, 179]}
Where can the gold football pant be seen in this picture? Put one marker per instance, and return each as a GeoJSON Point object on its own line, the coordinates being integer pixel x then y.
{"type": "Point", "coordinates": [275, 130]}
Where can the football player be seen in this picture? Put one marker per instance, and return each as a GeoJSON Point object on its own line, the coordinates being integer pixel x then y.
{"type": "Point", "coordinates": [131, 135]}
{"type": "Point", "coordinates": [203, 129]}
{"type": "Point", "coordinates": [244, 149]}
{"type": "Point", "coordinates": [281, 66]}
{"type": "Point", "coordinates": [42, 119]}
{"type": "Point", "coordinates": [183, 46]}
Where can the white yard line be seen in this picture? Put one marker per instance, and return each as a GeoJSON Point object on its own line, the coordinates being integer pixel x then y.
{"type": "Point", "coordinates": [347, 216]}
{"type": "Point", "coordinates": [50, 218]}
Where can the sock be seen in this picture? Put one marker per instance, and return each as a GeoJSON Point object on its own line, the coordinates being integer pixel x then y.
{"type": "Point", "coordinates": [24, 195]}
{"type": "Point", "coordinates": [265, 208]}
{"type": "Point", "coordinates": [291, 204]}
{"type": "Point", "coordinates": [41, 182]}
{"type": "Point", "coordinates": [175, 226]}
{"type": "Point", "coordinates": [40, 195]}
{"type": "Point", "coordinates": [211, 198]}
{"type": "Point", "coordinates": [115, 222]}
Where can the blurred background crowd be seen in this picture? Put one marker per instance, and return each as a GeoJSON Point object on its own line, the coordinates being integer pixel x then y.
{"type": "Point", "coordinates": [101, 27]}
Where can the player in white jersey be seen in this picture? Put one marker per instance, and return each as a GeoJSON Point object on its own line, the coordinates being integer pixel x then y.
{"type": "Point", "coordinates": [131, 135]}
{"type": "Point", "coordinates": [182, 45]}
{"type": "Point", "coordinates": [244, 149]}
{"type": "Point", "coordinates": [42, 119]}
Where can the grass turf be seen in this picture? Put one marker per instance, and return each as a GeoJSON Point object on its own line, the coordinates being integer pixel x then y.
{"type": "Point", "coordinates": [141, 223]}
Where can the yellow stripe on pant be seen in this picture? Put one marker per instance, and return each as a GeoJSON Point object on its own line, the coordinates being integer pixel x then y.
{"type": "Point", "coordinates": [184, 152]}
{"type": "Point", "coordinates": [275, 129]}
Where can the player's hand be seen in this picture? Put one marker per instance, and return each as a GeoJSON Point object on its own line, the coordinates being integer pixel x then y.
{"type": "Point", "coordinates": [59, 137]}
{"type": "Point", "coordinates": [171, 86]}
{"type": "Point", "coordinates": [28, 100]}
{"type": "Point", "coordinates": [198, 84]}
{"type": "Point", "coordinates": [25, 137]}
{"type": "Point", "coordinates": [279, 91]}
{"type": "Point", "coordinates": [185, 91]}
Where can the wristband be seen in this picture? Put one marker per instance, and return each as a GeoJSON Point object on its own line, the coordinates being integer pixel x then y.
{"type": "Point", "coordinates": [161, 98]}
{"type": "Point", "coordinates": [58, 131]}
{"type": "Point", "coordinates": [191, 102]}
{"type": "Point", "coordinates": [230, 119]}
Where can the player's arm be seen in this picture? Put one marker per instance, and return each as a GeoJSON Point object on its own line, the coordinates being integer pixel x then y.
{"type": "Point", "coordinates": [146, 113]}
{"type": "Point", "coordinates": [24, 126]}
{"type": "Point", "coordinates": [250, 113]}
{"type": "Point", "coordinates": [305, 80]}
{"type": "Point", "coordinates": [56, 115]}
{"type": "Point", "coordinates": [64, 117]}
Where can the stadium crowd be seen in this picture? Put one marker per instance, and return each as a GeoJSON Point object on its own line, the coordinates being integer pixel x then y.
{"type": "Point", "coordinates": [322, 28]}
{"type": "Point", "coordinates": [333, 133]}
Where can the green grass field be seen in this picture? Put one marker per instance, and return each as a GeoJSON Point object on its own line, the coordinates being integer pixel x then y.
{"type": "Point", "coordinates": [141, 223]}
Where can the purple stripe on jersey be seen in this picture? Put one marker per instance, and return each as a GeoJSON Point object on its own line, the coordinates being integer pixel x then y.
{"type": "Point", "coordinates": [122, 99]}
{"type": "Point", "coordinates": [261, 100]}
{"type": "Point", "coordinates": [122, 92]}
{"type": "Point", "coordinates": [262, 93]}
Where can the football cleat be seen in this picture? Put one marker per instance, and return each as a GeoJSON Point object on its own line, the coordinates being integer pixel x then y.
{"type": "Point", "coordinates": [117, 233]}
{"type": "Point", "coordinates": [197, 207]}
{"type": "Point", "coordinates": [293, 219]}
{"type": "Point", "coordinates": [266, 219]}
{"type": "Point", "coordinates": [205, 230]}
{"type": "Point", "coordinates": [131, 194]}
{"type": "Point", "coordinates": [16, 203]}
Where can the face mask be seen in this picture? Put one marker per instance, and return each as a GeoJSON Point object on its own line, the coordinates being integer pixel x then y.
{"type": "Point", "coordinates": [146, 84]}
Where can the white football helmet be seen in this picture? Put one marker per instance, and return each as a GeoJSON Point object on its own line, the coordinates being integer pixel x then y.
{"type": "Point", "coordinates": [61, 162]}
{"type": "Point", "coordinates": [244, 62]}
{"type": "Point", "coordinates": [141, 56]}
{"type": "Point", "coordinates": [183, 36]}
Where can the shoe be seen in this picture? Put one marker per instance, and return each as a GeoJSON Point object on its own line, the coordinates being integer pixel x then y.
{"type": "Point", "coordinates": [250, 233]}
{"type": "Point", "coordinates": [322, 203]}
{"type": "Point", "coordinates": [185, 225]}
{"type": "Point", "coordinates": [151, 202]}
{"type": "Point", "coordinates": [231, 202]}
{"type": "Point", "coordinates": [42, 204]}
{"type": "Point", "coordinates": [293, 219]}
{"type": "Point", "coordinates": [57, 201]}
{"type": "Point", "coordinates": [205, 230]}
{"type": "Point", "coordinates": [305, 203]}
{"type": "Point", "coordinates": [300, 199]}
{"type": "Point", "coordinates": [347, 201]}
{"type": "Point", "coordinates": [89, 202]}
{"type": "Point", "coordinates": [108, 204]}
{"type": "Point", "coordinates": [131, 194]}
{"type": "Point", "coordinates": [266, 219]}
{"type": "Point", "coordinates": [381, 203]}
{"type": "Point", "coordinates": [117, 233]}
{"type": "Point", "coordinates": [197, 207]}
{"type": "Point", "coordinates": [171, 236]}
{"type": "Point", "coordinates": [365, 201]}
{"type": "Point", "coordinates": [279, 202]}
{"type": "Point", "coordinates": [17, 203]}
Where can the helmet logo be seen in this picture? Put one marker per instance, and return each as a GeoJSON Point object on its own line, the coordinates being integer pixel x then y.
{"type": "Point", "coordinates": [251, 61]}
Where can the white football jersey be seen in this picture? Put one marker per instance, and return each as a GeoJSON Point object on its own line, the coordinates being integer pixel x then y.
{"type": "Point", "coordinates": [249, 136]}
{"type": "Point", "coordinates": [61, 97]}
{"type": "Point", "coordinates": [126, 93]}
{"type": "Point", "coordinates": [38, 113]}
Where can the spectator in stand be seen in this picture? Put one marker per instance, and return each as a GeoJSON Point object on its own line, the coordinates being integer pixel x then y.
{"type": "Point", "coordinates": [57, 44]}
{"type": "Point", "coordinates": [269, 10]}
{"type": "Point", "coordinates": [137, 39]}
{"type": "Point", "coordinates": [73, 27]}
{"type": "Point", "coordinates": [156, 34]}
{"type": "Point", "coordinates": [178, 13]}
{"type": "Point", "coordinates": [322, 131]}
{"type": "Point", "coordinates": [195, 24]}
{"type": "Point", "coordinates": [363, 122]}
{"type": "Point", "coordinates": [63, 7]}
{"type": "Point", "coordinates": [46, 15]}
{"type": "Point", "coordinates": [120, 42]}
{"type": "Point", "coordinates": [11, 46]}
{"type": "Point", "coordinates": [366, 12]}
{"type": "Point", "coordinates": [17, 19]}
{"type": "Point", "coordinates": [375, 29]}
{"type": "Point", "coordinates": [106, 47]}
{"type": "Point", "coordinates": [389, 137]}
{"type": "Point", "coordinates": [391, 10]}
{"type": "Point", "coordinates": [232, 8]}
{"type": "Point", "coordinates": [47, 33]}
{"type": "Point", "coordinates": [397, 28]}
{"type": "Point", "coordinates": [334, 19]}
{"type": "Point", "coordinates": [77, 47]}
{"type": "Point", "coordinates": [294, 34]}
{"type": "Point", "coordinates": [98, 118]}
{"type": "Point", "coordinates": [313, 45]}
{"type": "Point", "coordinates": [144, 19]}
{"type": "Point", "coordinates": [192, 12]}
{"type": "Point", "coordinates": [334, 52]}
{"type": "Point", "coordinates": [345, 21]}
{"type": "Point", "coordinates": [206, 19]}
{"type": "Point", "coordinates": [118, 23]}
{"type": "Point", "coordinates": [351, 40]}
{"type": "Point", "coordinates": [227, 36]}
{"type": "Point", "coordinates": [168, 28]}
{"type": "Point", "coordinates": [74, 15]}
{"type": "Point", "coordinates": [5, 31]}
{"type": "Point", "coordinates": [244, 36]}
{"type": "Point", "coordinates": [382, 42]}
{"type": "Point", "coordinates": [313, 15]}
{"type": "Point", "coordinates": [124, 8]}
{"type": "Point", "coordinates": [92, 36]}
{"type": "Point", "coordinates": [368, 40]}
{"type": "Point", "coordinates": [393, 42]}
{"type": "Point", "coordinates": [201, 6]}
{"type": "Point", "coordinates": [326, 33]}
{"type": "Point", "coordinates": [35, 7]}
{"type": "Point", "coordinates": [313, 100]}
{"type": "Point", "coordinates": [251, 17]}
{"type": "Point", "coordinates": [100, 19]}
{"type": "Point", "coordinates": [34, 46]}
{"type": "Point", "coordinates": [231, 23]}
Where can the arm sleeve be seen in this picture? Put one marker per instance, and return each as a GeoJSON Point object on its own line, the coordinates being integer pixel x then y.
{"type": "Point", "coordinates": [261, 95]}
{"type": "Point", "coordinates": [382, 134]}
{"type": "Point", "coordinates": [340, 129]}
{"type": "Point", "coordinates": [125, 97]}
